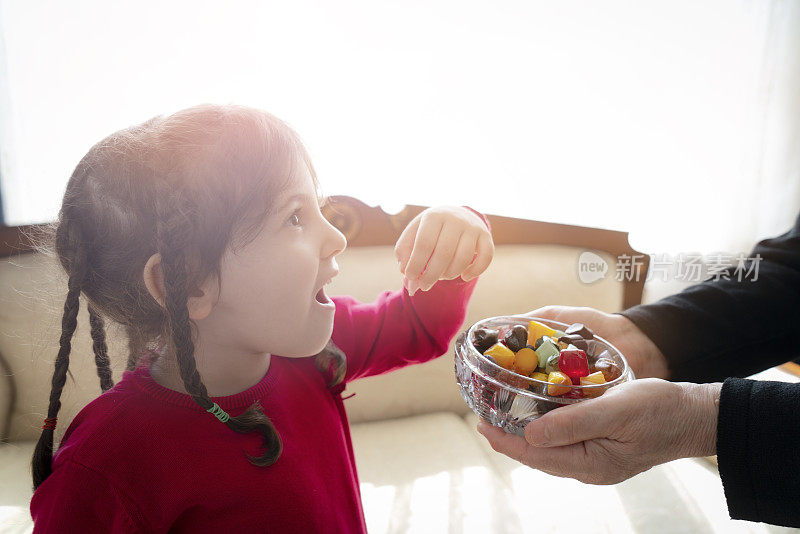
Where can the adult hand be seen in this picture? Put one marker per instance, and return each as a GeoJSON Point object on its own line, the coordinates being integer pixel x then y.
{"type": "Point", "coordinates": [627, 430]}
{"type": "Point", "coordinates": [443, 243]}
{"type": "Point", "coordinates": [642, 354]}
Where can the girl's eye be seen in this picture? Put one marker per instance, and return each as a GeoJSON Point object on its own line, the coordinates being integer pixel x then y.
{"type": "Point", "coordinates": [294, 219]}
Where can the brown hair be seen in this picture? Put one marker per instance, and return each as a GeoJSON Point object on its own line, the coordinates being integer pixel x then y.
{"type": "Point", "coordinates": [187, 186]}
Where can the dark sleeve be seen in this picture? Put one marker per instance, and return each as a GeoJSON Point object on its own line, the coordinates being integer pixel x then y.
{"type": "Point", "coordinates": [722, 328]}
{"type": "Point", "coordinates": [758, 449]}
{"type": "Point", "coordinates": [731, 328]}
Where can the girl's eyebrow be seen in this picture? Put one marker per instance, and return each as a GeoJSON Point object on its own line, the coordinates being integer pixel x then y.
{"type": "Point", "coordinates": [303, 197]}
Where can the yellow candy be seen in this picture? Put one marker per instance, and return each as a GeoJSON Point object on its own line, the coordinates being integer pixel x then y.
{"type": "Point", "coordinates": [556, 379]}
{"type": "Point", "coordinates": [537, 330]}
{"type": "Point", "coordinates": [525, 361]}
{"type": "Point", "coordinates": [539, 376]}
{"type": "Point", "coordinates": [502, 355]}
{"type": "Point", "coordinates": [593, 379]}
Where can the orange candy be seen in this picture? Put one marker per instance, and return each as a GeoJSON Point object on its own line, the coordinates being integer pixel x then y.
{"type": "Point", "coordinates": [592, 380]}
{"type": "Point", "coordinates": [557, 382]}
{"type": "Point", "coordinates": [525, 361]}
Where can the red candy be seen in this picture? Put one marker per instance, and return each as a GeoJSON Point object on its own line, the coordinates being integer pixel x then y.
{"type": "Point", "coordinates": [574, 364]}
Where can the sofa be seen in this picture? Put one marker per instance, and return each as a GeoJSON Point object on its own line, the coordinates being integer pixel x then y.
{"type": "Point", "coordinates": [422, 465]}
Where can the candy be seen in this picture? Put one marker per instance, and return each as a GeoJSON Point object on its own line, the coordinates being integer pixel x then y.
{"type": "Point", "coordinates": [539, 376]}
{"type": "Point", "coordinates": [610, 370]}
{"type": "Point", "coordinates": [574, 393]}
{"type": "Point", "coordinates": [581, 330]}
{"type": "Point", "coordinates": [525, 361]}
{"type": "Point", "coordinates": [573, 363]}
{"type": "Point", "coordinates": [484, 338]}
{"type": "Point", "coordinates": [502, 354]}
{"type": "Point", "coordinates": [547, 349]}
{"type": "Point", "coordinates": [552, 364]}
{"type": "Point", "coordinates": [574, 339]}
{"type": "Point", "coordinates": [559, 333]}
{"type": "Point", "coordinates": [537, 330]}
{"type": "Point", "coordinates": [516, 338]}
{"type": "Point", "coordinates": [556, 383]}
{"type": "Point", "coordinates": [593, 380]}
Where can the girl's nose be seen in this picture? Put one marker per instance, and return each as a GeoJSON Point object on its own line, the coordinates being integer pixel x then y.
{"type": "Point", "coordinates": [335, 242]}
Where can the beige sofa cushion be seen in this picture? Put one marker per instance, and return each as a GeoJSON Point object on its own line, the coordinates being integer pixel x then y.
{"type": "Point", "coordinates": [520, 278]}
{"type": "Point", "coordinates": [428, 474]}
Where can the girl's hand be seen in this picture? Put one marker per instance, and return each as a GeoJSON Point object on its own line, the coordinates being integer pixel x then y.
{"type": "Point", "coordinates": [629, 429]}
{"type": "Point", "coordinates": [643, 355]}
{"type": "Point", "coordinates": [441, 244]}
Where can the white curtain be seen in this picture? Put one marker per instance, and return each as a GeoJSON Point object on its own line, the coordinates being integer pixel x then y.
{"type": "Point", "coordinates": [677, 121]}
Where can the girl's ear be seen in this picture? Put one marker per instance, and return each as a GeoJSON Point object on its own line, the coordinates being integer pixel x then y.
{"type": "Point", "coordinates": [201, 300]}
{"type": "Point", "coordinates": [154, 279]}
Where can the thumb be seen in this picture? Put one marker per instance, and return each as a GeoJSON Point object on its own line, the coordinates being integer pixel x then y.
{"type": "Point", "coordinates": [586, 420]}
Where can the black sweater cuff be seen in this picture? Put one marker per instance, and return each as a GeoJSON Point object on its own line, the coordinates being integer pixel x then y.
{"type": "Point", "coordinates": [758, 450]}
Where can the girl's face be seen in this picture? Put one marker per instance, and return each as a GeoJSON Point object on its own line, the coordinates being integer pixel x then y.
{"type": "Point", "coordinates": [271, 297]}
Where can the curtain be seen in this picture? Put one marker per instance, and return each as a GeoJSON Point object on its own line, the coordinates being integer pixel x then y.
{"type": "Point", "coordinates": [677, 122]}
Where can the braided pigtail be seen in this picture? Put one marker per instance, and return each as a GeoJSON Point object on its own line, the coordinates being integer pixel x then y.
{"type": "Point", "coordinates": [135, 347]}
{"type": "Point", "coordinates": [173, 265]}
{"type": "Point", "coordinates": [41, 463]}
{"type": "Point", "coordinates": [332, 362]}
{"type": "Point", "coordinates": [100, 349]}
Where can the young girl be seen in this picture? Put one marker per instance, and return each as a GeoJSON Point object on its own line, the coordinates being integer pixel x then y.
{"type": "Point", "coordinates": [201, 233]}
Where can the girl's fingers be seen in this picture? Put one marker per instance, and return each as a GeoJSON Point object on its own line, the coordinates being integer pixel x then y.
{"type": "Point", "coordinates": [465, 252]}
{"type": "Point", "coordinates": [424, 243]}
{"type": "Point", "coordinates": [482, 260]}
{"type": "Point", "coordinates": [442, 255]}
{"type": "Point", "coordinates": [405, 243]}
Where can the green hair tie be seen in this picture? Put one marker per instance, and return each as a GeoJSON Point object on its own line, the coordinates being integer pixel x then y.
{"type": "Point", "coordinates": [219, 413]}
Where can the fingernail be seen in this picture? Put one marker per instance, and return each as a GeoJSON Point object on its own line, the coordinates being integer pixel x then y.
{"type": "Point", "coordinates": [412, 287]}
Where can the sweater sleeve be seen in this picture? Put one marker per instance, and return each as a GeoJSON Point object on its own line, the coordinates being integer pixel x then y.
{"type": "Point", "coordinates": [78, 499]}
{"type": "Point", "coordinates": [731, 328]}
{"type": "Point", "coordinates": [758, 438]}
{"type": "Point", "coordinates": [723, 328]}
{"type": "Point", "coordinates": [397, 330]}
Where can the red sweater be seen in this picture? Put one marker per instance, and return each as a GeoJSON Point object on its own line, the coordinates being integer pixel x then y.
{"type": "Point", "coordinates": [143, 458]}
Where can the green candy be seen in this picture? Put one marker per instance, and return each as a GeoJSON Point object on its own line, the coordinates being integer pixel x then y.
{"type": "Point", "coordinates": [547, 349]}
{"type": "Point", "coordinates": [559, 334]}
{"type": "Point", "coordinates": [552, 364]}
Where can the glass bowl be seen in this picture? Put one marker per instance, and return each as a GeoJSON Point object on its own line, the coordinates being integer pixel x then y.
{"type": "Point", "coordinates": [509, 400]}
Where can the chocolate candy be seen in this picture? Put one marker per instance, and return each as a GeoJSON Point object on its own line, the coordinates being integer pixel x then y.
{"type": "Point", "coordinates": [581, 330]}
{"type": "Point", "coordinates": [610, 370]}
{"type": "Point", "coordinates": [516, 338]}
{"type": "Point", "coordinates": [573, 363]}
{"type": "Point", "coordinates": [576, 340]}
{"type": "Point", "coordinates": [547, 349]}
{"type": "Point", "coordinates": [484, 338]}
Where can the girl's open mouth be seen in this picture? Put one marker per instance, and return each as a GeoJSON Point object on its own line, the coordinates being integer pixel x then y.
{"type": "Point", "coordinates": [321, 297]}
